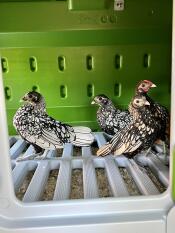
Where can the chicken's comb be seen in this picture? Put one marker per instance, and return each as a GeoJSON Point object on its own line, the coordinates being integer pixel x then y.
{"type": "Point", "coordinates": [147, 81]}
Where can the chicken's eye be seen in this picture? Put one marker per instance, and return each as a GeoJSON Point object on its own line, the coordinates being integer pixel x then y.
{"type": "Point", "coordinates": [137, 101]}
{"type": "Point", "coordinates": [100, 98]}
{"type": "Point", "coordinates": [143, 85]}
{"type": "Point", "coordinates": [30, 96]}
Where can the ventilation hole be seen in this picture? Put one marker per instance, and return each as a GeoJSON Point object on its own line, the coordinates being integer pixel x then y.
{"type": "Point", "coordinates": [35, 88]}
{"type": "Point", "coordinates": [77, 151]}
{"type": "Point", "coordinates": [103, 184]}
{"type": "Point", "coordinates": [118, 61]}
{"type": "Point", "coordinates": [8, 94]}
{"type": "Point", "coordinates": [12, 141]}
{"type": "Point", "coordinates": [77, 184]}
{"type": "Point", "coordinates": [155, 180]}
{"type": "Point", "coordinates": [23, 188]}
{"type": "Point", "coordinates": [33, 64]}
{"type": "Point", "coordinates": [61, 63]}
{"type": "Point", "coordinates": [59, 152]}
{"type": "Point", "coordinates": [94, 148]}
{"type": "Point", "coordinates": [107, 137]}
{"type": "Point", "coordinates": [63, 91]}
{"type": "Point", "coordinates": [90, 90]}
{"type": "Point", "coordinates": [129, 182]}
{"type": "Point", "coordinates": [4, 65]}
{"type": "Point", "coordinates": [50, 186]}
{"type": "Point", "coordinates": [146, 60]}
{"type": "Point", "coordinates": [26, 148]}
{"type": "Point", "coordinates": [89, 62]}
{"type": "Point", "coordinates": [117, 89]}
{"type": "Point", "coordinates": [13, 165]}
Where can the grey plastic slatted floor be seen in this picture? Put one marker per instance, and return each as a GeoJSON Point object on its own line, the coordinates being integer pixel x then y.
{"type": "Point", "coordinates": [88, 163]}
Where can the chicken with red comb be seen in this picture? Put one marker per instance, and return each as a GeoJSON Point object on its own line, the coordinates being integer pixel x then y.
{"type": "Point", "coordinates": [159, 112]}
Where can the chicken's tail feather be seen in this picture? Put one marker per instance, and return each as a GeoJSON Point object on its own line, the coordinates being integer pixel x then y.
{"type": "Point", "coordinates": [83, 136]}
{"type": "Point", "coordinates": [104, 150]}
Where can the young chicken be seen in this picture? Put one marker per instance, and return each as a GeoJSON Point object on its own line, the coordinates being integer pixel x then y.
{"type": "Point", "coordinates": [44, 132]}
{"type": "Point", "coordinates": [110, 119]}
{"type": "Point", "coordinates": [159, 112]}
{"type": "Point", "coordinates": [140, 135]}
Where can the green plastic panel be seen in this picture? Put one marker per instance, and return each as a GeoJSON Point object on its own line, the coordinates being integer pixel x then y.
{"type": "Point", "coordinates": [73, 50]}
{"type": "Point", "coordinates": [68, 77]}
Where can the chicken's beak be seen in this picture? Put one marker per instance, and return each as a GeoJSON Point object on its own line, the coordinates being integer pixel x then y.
{"type": "Point", "coordinates": [147, 103]}
{"type": "Point", "coordinates": [93, 102]}
{"type": "Point", "coordinates": [153, 85]}
{"type": "Point", "coordinates": [23, 99]}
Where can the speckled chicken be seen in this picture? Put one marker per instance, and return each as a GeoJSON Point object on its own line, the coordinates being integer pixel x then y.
{"type": "Point", "coordinates": [44, 132]}
{"type": "Point", "coordinates": [140, 135]}
{"type": "Point", "coordinates": [159, 112]}
{"type": "Point", "coordinates": [111, 119]}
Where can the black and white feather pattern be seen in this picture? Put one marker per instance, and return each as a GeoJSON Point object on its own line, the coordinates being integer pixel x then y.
{"type": "Point", "coordinates": [111, 119]}
{"type": "Point", "coordinates": [162, 116]}
{"type": "Point", "coordinates": [140, 135]}
{"type": "Point", "coordinates": [36, 127]}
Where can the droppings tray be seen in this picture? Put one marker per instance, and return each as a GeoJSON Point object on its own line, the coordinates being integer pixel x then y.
{"type": "Point", "coordinates": [75, 173]}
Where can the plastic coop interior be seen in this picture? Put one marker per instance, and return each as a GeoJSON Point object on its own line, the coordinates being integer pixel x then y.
{"type": "Point", "coordinates": [71, 51]}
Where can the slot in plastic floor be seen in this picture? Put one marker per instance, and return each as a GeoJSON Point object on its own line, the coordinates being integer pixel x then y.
{"type": "Point", "coordinates": [78, 173]}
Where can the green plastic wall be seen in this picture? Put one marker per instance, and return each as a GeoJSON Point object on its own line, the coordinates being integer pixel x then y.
{"type": "Point", "coordinates": [73, 50]}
